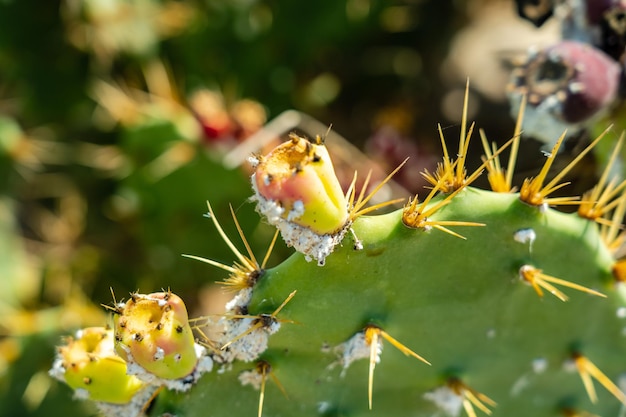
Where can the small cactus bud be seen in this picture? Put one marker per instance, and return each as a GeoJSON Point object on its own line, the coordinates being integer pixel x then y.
{"type": "Point", "coordinates": [89, 365]}
{"type": "Point", "coordinates": [297, 190]}
{"type": "Point", "coordinates": [152, 333]}
{"type": "Point", "coordinates": [298, 176]}
{"type": "Point", "coordinates": [567, 85]}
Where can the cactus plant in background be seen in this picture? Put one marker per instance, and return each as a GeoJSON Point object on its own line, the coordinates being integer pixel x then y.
{"type": "Point", "coordinates": [521, 316]}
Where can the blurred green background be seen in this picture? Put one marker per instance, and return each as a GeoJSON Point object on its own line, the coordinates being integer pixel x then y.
{"type": "Point", "coordinates": [115, 116]}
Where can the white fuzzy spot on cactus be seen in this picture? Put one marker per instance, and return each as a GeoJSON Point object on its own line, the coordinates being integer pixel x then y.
{"type": "Point", "coordinates": [570, 366]}
{"type": "Point", "coordinates": [356, 348]}
{"type": "Point", "coordinates": [204, 364]}
{"type": "Point", "coordinates": [527, 235]}
{"type": "Point", "coordinates": [253, 161]}
{"type": "Point", "coordinates": [446, 400]}
{"type": "Point", "coordinates": [520, 385]}
{"type": "Point", "coordinates": [240, 300]}
{"type": "Point", "coordinates": [269, 208]}
{"type": "Point", "coordinates": [57, 370]}
{"type": "Point", "coordinates": [134, 408]}
{"type": "Point", "coordinates": [296, 211]}
{"type": "Point", "coordinates": [303, 239]}
{"type": "Point", "coordinates": [81, 394]}
{"type": "Point", "coordinates": [251, 377]}
{"type": "Point", "coordinates": [539, 365]}
{"type": "Point", "coordinates": [159, 355]}
{"type": "Point", "coordinates": [248, 347]}
{"type": "Point", "coordinates": [621, 312]}
{"type": "Point", "coordinates": [358, 245]}
{"type": "Point", "coordinates": [323, 407]}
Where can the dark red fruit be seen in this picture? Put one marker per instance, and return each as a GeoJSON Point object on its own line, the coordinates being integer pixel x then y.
{"type": "Point", "coordinates": [570, 80]}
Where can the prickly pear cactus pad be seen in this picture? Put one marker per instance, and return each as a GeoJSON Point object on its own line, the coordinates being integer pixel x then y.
{"type": "Point", "coordinates": [464, 302]}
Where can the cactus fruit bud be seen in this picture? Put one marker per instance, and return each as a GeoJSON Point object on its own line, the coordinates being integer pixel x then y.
{"type": "Point", "coordinates": [297, 190]}
{"type": "Point", "coordinates": [299, 178]}
{"type": "Point", "coordinates": [153, 335]}
{"type": "Point", "coordinates": [89, 365]}
{"type": "Point", "coordinates": [568, 85]}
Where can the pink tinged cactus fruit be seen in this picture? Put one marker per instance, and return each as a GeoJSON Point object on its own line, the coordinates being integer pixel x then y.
{"type": "Point", "coordinates": [297, 191]}
{"type": "Point", "coordinates": [89, 365]}
{"type": "Point", "coordinates": [300, 173]}
{"type": "Point", "coordinates": [568, 85]}
{"type": "Point", "coordinates": [153, 334]}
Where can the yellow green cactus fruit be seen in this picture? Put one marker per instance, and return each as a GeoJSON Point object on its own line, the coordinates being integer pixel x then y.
{"type": "Point", "coordinates": [89, 365]}
{"type": "Point", "coordinates": [153, 335]}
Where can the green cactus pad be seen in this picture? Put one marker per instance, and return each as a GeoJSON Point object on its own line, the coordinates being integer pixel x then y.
{"type": "Point", "coordinates": [461, 304]}
{"type": "Point", "coordinates": [522, 316]}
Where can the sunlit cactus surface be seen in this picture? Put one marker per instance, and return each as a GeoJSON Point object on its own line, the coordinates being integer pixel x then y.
{"type": "Point", "coordinates": [463, 302]}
